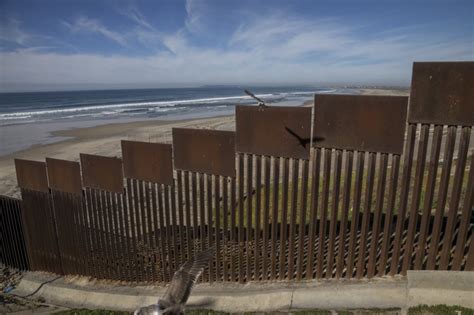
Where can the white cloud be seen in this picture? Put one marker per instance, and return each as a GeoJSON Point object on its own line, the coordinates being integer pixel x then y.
{"type": "Point", "coordinates": [85, 24]}
{"type": "Point", "coordinates": [277, 49]}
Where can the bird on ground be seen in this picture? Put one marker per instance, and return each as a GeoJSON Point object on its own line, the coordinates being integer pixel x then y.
{"type": "Point", "coordinates": [179, 290]}
{"type": "Point", "coordinates": [261, 103]}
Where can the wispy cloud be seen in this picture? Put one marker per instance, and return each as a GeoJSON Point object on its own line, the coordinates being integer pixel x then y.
{"type": "Point", "coordinates": [195, 15]}
{"type": "Point", "coordinates": [10, 31]}
{"type": "Point", "coordinates": [85, 24]}
{"type": "Point", "coordinates": [134, 14]}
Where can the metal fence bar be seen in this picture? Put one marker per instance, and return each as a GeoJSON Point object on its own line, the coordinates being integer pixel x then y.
{"type": "Point", "coordinates": [334, 212]}
{"type": "Point", "coordinates": [465, 220]}
{"type": "Point", "coordinates": [323, 213]}
{"type": "Point", "coordinates": [266, 217]}
{"type": "Point", "coordinates": [233, 226]}
{"type": "Point", "coordinates": [388, 222]}
{"type": "Point", "coordinates": [258, 210]}
{"type": "Point", "coordinates": [137, 266]}
{"type": "Point", "coordinates": [416, 196]}
{"type": "Point", "coordinates": [302, 222]}
{"type": "Point", "coordinates": [226, 254]}
{"type": "Point", "coordinates": [275, 202]}
{"type": "Point", "coordinates": [369, 188]}
{"type": "Point", "coordinates": [402, 206]}
{"type": "Point", "coordinates": [210, 223]}
{"type": "Point", "coordinates": [218, 233]}
{"type": "Point", "coordinates": [377, 219]}
{"type": "Point", "coordinates": [240, 187]}
{"type": "Point", "coordinates": [455, 197]}
{"type": "Point", "coordinates": [283, 220]}
{"type": "Point", "coordinates": [346, 197]}
{"type": "Point", "coordinates": [429, 196]}
{"type": "Point", "coordinates": [293, 214]}
{"type": "Point", "coordinates": [442, 194]}
{"type": "Point", "coordinates": [315, 174]}
{"type": "Point", "coordinates": [356, 201]}
{"type": "Point", "coordinates": [249, 249]}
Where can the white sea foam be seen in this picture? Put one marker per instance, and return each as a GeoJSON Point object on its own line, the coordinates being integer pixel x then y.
{"type": "Point", "coordinates": [138, 104]}
{"type": "Point", "coordinates": [158, 106]}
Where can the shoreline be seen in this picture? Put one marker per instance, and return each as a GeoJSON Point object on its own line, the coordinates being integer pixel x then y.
{"type": "Point", "coordinates": [105, 139]}
{"type": "Point", "coordinates": [101, 140]}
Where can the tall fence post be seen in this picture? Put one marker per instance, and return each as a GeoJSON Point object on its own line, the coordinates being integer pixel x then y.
{"type": "Point", "coordinates": [210, 156]}
{"type": "Point", "coordinates": [357, 128]}
{"type": "Point", "coordinates": [279, 136]}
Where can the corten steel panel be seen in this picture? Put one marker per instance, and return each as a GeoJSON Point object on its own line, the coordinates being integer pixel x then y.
{"type": "Point", "coordinates": [103, 173]}
{"type": "Point", "coordinates": [151, 162]}
{"type": "Point", "coordinates": [442, 93]}
{"type": "Point", "coordinates": [204, 151]}
{"type": "Point", "coordinates": [360, 122]}
{"type": "Point", "coordinates": [274, 131]}
{"type": "Point", "coordinates": [31, 175]}
{"type": "Point", "coordinates": [64, 175]}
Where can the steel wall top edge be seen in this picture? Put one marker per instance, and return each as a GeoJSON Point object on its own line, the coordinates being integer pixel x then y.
{"type": "Point", "coordinates": [360, 122]}
{"type": "Point", "coordinates": [280, 131]}
{"type": "Point", "coordinates": [152, 162]}
{"type": "Point", "coordinates": [101, 172]}
{"type": "Point", "coordinates": [64, 175]}
{"type": "Point", "coordinates": [31, 175]}
{"type": "Point", "coordinates": [204, 151]}
{"type": "Point", "coordinates": [442, 93]}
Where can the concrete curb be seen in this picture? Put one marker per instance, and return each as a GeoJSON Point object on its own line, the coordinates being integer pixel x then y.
{"type": "Point", "coordinates": [419, 287]}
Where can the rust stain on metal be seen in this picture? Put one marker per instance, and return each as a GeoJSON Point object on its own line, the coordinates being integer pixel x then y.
{"type": "Point", "coordinates": [360, 122]}
{"type": "Point", "coordinates": [64, 175]}
{"type": "Point", "coordinates": [31, 175]}
{"type": "Point", "coordinates": [204, 151]}
{"type": "Point", "coordinates": [152, 162]}
{"type": "Point", "coordinates": [442, 93]}
{"type": "Point", "coordinates": [273, 131]}
{"type": "Point", "coordinates": [101, 172]}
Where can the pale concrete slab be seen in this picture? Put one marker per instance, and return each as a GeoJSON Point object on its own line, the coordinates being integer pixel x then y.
{"type": "Point", "coordinates": [387, 292]}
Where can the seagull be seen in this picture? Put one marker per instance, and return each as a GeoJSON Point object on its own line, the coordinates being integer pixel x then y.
{"type": "Point", "coordinates": [174, 300]}
{"type": "Point", "coordinates": [261, 103]}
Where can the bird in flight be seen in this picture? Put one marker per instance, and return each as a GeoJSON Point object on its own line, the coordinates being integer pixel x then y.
{"type": "Point", "coordinates": [261, 103]}
{"type": "Point", "coordinates": [179, 290]}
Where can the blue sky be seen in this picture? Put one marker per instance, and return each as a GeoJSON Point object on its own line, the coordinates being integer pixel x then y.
{"type": "Point", "coordinates": [65, 44]}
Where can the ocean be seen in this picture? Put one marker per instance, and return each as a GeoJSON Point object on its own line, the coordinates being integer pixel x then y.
{"type": "Point", "coordinates": [29, 118]}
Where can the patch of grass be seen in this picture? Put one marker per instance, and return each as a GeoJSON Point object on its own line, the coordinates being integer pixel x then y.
{"type": "Point", "coordinates": [440, 310]}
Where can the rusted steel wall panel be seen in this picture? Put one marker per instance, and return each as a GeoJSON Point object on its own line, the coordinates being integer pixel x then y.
{"type": "Point", "coordinates": [274, 131]}
{"type": "Point", "coordinates": [360, 122]}
{"type": "Point", "coordinates": [442, 93]}
{"type": "Point", "coordinates": [43, 241]}
{"type": "Point", "coordinates": [152, 162]}
{"type": "Point", "coordinates": [71, 232]}
{"type": "Point", "coordinates": [103, 173]}
{"type": "Point", "coordinates": [31, 175]}
{"type": "Point", "coordinates": [204, 151]}
{"type": "Point", "coordinates": [64, 175]}
{"type": "Point", "coordinates": [13, 250]}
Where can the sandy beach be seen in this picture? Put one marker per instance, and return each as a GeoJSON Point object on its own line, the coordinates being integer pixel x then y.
{"type": "Point", "coordinates": [105, 139]}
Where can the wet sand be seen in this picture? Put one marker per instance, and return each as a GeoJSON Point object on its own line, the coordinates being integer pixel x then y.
{"type": "Point", "coordinates": [101, 140]}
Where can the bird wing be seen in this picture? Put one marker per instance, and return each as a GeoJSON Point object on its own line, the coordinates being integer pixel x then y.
{"type": "Point", "coordinates": [186, 276]}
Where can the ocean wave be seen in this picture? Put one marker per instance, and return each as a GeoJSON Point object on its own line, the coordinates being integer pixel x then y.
{"type": "Point", "coordinates": [134, 108]}
{"type": "Point", "coordinates": [137, 104]}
